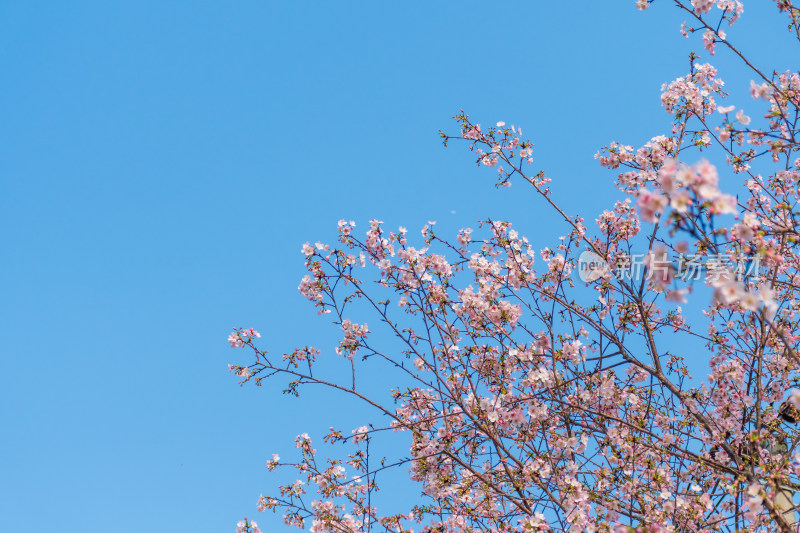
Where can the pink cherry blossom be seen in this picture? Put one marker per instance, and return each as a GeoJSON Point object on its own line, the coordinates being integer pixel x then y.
{"type": "Point", "coordinates": [651, 204]}
{"type": "Point", "coordinates": [743, 119]}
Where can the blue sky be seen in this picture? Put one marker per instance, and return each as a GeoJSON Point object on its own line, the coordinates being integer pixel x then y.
{"type": "Point", "coordinates": [162, 163]}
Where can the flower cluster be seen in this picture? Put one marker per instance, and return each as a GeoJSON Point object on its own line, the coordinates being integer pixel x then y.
{"type": "Point", "coordinates": [354, 335]}
{"type": "Point", "coordinates": [247, 526]}
{"type": "Point", "coordinates": [241, 336]}
{"type": "Point", "coordinates": [692, 94]}
{"type": "Point", "coordinates": [683, 186]}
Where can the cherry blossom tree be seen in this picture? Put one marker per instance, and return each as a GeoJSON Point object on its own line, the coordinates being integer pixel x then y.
{"type": "Point", "coordinates": [543, 390]}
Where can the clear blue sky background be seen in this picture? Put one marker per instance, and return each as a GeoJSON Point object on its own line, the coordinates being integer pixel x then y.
{"type": "Point", "coordinates": [161, 164]}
